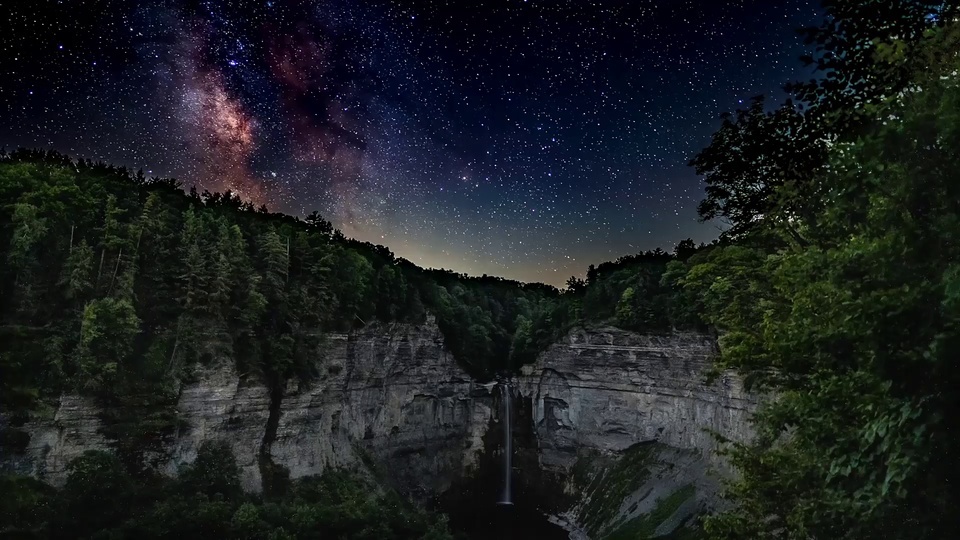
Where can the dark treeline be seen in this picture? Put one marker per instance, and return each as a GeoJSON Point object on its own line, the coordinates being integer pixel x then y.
{"type": "Point", "coordinates": [112, 281]}
{"type": "Point", "coordinates": [837, 287]}
{"type": "Point", "coordinates": [102, 500]}
{"type": "Point", "coordinates": [115, 285]}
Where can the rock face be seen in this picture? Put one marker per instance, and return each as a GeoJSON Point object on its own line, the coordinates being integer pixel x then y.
{"type": "Point", "coordinates": [221, 406]}
{"type": "Point", "coordinates": [601, 392]}
{"type": "Point", "coordinates": [392, 398]}
{"type": "Point", "coordinates": [607, 389]}
{"type": "Point", "coordinates": [74, 429]}
{"type": "Point", "coordinates": [389, 395]}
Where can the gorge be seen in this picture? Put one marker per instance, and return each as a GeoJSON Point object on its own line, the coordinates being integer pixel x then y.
{"type": "Point", "coordinates": [611, 430]}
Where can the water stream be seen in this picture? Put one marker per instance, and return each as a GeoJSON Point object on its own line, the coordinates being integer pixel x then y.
{"type": "Point", "coordinates": [507, 496]}
{"type": "Point", "coordinates": [513, 511]}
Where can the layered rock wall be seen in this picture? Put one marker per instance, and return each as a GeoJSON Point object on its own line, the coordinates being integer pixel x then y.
{"type": "Point", "coordinates": [392, 394]}
{"type": "Point", "coordinates": [393, 398]}
{"type": "Point", "coordinates": [54, 442]}
{"type": "Point", "coordinates": [628, 420]}
{"type": "Point", "coordinates": [607, 389]}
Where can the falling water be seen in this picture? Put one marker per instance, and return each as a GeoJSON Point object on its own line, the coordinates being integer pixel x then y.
{"type": "Point", "coordinates": [507, 448]}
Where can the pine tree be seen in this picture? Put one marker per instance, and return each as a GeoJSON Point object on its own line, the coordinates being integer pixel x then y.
{"type": "Point", "coordinates": [23, 257]}
{"type": "Point", "coordinates": [77, 276]}
{"type": "Point", "coordinates": [107, 331]}
{"type": "Point", "coordinates": [113, 239]}
{"type": "Point", "coordinates": [157, 260]}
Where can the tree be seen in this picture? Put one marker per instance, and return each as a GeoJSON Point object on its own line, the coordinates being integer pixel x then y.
{"type": "Point", "coordinates": [522, 344]}
{"type": "Point", "coordinates": [684, 249]}
{"type": "Point", "coordinates": [391, 293]}
{"type": "Point", "coordinates": [95, 496]}
{"type": "Point", "coordinates": [77, 276]}
{"type": "Point", "coordinates": [352, 279]}
{"type": "Point", "coordinates": [107, 332]}
{"type": "Point", "coordinates": [273, 254]}
{"type": "Point", "coordinates": [247, 523]}
{"type": "Point", "coordinates": [113, 240]}
{"type": "Point", "coordinates": [575, 285]}
{"type": "Point", "coordinates": [855, 334]}
{"type": "Point", "coordinates": [23, 255]}
{"type": "Point", "coordinates": [214, 472]}
{"type": "Point", "coordinates": [195, 276]}
{"type": "Point", "coordinates": [157, 230]}
{"type": "Point", "coordinates": [315, 221]}
{"type": "Point", "coordinates": [591, 275]}
{"type": "Point", "coordinates": [626, 316]}
{"type": "Point", "coordinates": [761, 167]}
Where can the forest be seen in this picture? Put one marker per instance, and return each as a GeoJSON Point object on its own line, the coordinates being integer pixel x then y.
{"type": "Point", "coordinates": [115, 281]}
{"type": "Point", "coordinates": [116, 286]}
{"type": "Point", "coordinates": [835, 288]}
{"type": "Point", "coordinates": [102, 499]}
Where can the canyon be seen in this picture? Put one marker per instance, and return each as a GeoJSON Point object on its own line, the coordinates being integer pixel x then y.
{"type": "Point", "coordinates": [612, 431]}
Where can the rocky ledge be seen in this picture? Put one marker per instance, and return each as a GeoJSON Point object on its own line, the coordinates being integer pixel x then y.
{"type": "Point", "coordinates": [622, 421]}
{"type": "Point", "coordinates": [390, 395]}
{"type": "Point", "coordinates": [618, 412]}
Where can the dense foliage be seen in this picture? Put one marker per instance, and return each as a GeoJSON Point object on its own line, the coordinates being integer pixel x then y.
{"type": "Point", "coordinates": [118, 286]}
{"type": "Point", "coordinates": [837, 289]}
{"type": "Point", "coordinates": [114, 285]}
{"type": "Point", "coordinates": [636, 292]}
{"type": "Point", "coordinates": [102, 500]}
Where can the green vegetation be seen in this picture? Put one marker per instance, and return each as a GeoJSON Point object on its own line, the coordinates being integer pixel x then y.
{"type": "Point", "coordinates": [605, 483]}
{"type": "Point", "coordinates": [644, 526]}
{"type": "Point", "coordinates": [837, 286]}
{"type": "Point", "coordinates": [116, 285]}
{"type": "Point", "coordinates": [102, 500]}
{"type": "Point", "coordinates": [636, 292]}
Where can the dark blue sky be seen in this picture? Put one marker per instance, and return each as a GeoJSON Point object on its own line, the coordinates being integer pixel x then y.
{"type": "Point", "coordinates": [522, 138]}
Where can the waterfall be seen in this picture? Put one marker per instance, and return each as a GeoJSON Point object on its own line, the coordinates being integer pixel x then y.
{"type": "Point", "coordinates": [507, 497]}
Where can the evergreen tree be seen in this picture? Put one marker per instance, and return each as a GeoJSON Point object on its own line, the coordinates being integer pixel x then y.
{"type": "Point", "coordinates": [107, 331]}
{"type": "Point", "coordinates": [23, 257]}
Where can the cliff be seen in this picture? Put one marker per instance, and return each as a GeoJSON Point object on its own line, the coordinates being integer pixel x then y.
{"type": "Point", "coordinates": [606, 389]}
{"type": "Point", "coordinates": [627, 420]}
{"type": "Point", "coordinates": [614, 420]}
{"type": "Point", "coordinates": [392, 396]}
{"type": "Point", "coordinates": [389, 394]}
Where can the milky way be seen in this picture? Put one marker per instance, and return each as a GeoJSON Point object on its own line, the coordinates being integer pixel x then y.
{"type": "Point", "coordinates": [525, 139]}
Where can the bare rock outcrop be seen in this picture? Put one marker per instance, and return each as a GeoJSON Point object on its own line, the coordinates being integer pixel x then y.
{"type": "Point", "coordinates": [391, 396]}
{"type": "Point", "coordinates": [623, 419]}
{"type": "Point", "coordinates": [601, 393]}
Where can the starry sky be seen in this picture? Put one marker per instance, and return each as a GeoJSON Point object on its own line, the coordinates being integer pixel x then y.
{"type": "Point", "coordinates": [520, 138]}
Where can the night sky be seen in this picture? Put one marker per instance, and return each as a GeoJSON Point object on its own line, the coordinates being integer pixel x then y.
{"type": "Point", "coordinates": [522, 138]}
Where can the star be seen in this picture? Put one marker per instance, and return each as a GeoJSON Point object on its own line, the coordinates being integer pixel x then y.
{"type": "Point", "coordinates": [579, 117]}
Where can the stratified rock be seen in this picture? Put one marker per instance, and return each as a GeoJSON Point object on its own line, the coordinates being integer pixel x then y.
{"type": "Point", "coordinates": [74, 429]}
{"type": "Point", "coordinates": [624, 418]}
{"type": "Point", "coordinates": [607, 389]}
{"type": "Point", "coordinates": [392, 396]}
{"type": "Point", "coordinates": [602, 391]}
{"type": "Point", "coordinates": [220, 406]}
